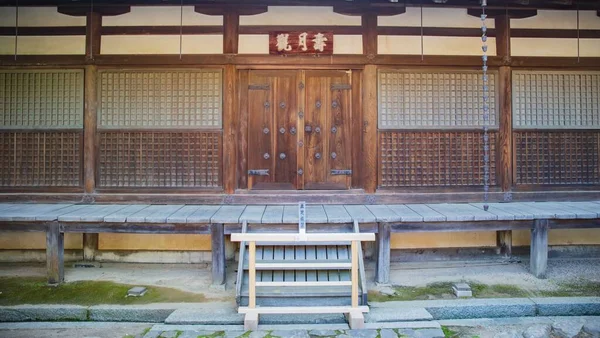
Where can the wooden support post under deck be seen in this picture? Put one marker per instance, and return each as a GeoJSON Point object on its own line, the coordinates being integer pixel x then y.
{"type": "Point", "coordinates": [382, 273]}
{"type": "Point", "coordinates": [217, 234]}
{"type": "Point", "coordinates": [504, 242]}
{"type": "Point", "coordinates": [90, 246]}
{"type": "Point", "coordinates": [539, 248]}
{"type": "Point", "coordinates": [55, 254]}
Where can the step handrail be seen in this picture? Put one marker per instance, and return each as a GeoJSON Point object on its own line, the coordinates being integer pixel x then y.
{"type": "Point", "coordinates": [252, 238]}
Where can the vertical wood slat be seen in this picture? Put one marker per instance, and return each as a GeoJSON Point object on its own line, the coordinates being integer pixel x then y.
{"type": "Point", "coordinates": [357, 134]}
{"type": "Point", "coordinates": [505, 148]}
{"type": "Point", "coordinates": [354, 273]}
{"type": "Point", "coordinates": [252, 274]}
{"type": "Point", "coordinates": [89, 127]}
{"type": "Point", "coordinates": [242, 171]}
{"type": "Point", "coordinates": [230, 128]}
{"type": "Point", "coordinates": [369, 167]}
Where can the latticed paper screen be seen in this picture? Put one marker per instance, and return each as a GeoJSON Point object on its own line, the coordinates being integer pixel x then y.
{"type": "Point", "coordinates": [429, 159]}
{"type": "Point", "coordinates": [41, 124]}
{"type": "Point", "coordinates": [160, 99]}
{"type": "Point", "coordinates": [434, 99]}
{"type": "Point", "coordinates": [556, 100]}
{"type": "Point", "coordinates": [160, 128]}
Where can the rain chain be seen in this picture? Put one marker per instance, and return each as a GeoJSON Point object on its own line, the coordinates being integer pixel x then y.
{"type": "Point", "coordinates": [486, 110]}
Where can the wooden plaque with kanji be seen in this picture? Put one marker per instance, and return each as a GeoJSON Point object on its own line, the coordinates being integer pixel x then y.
{"type": "Point", "coordinates": [301, 43]}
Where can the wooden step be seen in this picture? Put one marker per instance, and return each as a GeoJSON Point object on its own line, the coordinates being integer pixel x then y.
{"type": "Point", "coordinates": [301, 265]}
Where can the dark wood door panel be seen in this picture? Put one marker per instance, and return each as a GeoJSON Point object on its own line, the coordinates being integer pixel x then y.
{"type": "Point", "coordinates": [286, 121]}
{"type": "Point", "coordinates": [260, 128]}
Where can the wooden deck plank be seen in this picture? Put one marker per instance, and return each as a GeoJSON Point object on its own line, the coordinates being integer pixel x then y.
{"type": "Point", "coordinates": [6, 206]}
{"type": "Point", "coordinates": [428, 214]}
{"type": "Point", "coordinates": [462, 212]}
{"type": "Point", "coordinates": [405, 213]}
{"type": "Point", "coordinates": [564, 211]}
{"type": "Point", "coordinates": [228, 214]}
{"type": "Point", "coordinates": [273, 214]}
{"type": "Point", "coordinates": [315, 214]}
{"type": "Point", "coordinates": [120, 216]}
{"type": "Point", "coordinates": [52, 215]}
{"type": "Point", "coordinates": [548, 211]}
{"type": "Point", "coordinates": [204, 214]}
{"type": "Point", "coordinates": [91, 213]}
{"type": "Point", "coordinates": [519, 211]}
{"type": "Point", "coordinates": [181, 215]}
{"type": "Point", "coordinates": [337, 214]}
{"type": "Point", "coordinates": [154, 214]}
{"type": "Point", "coordinates": [534, 211]}
{"type": "Point", "coordinates": [496, 209]}
{"type": "Point", "coordinates": [587, 206]}
{"type": "Point", "coordinates": [253, 213]}
{"type": "Point", "coordinates": [290, 214]}
{"type": "Point", "coordinates": [383, 214]}
{"type": "Point", "coordinates": [360, 213]}
{"type": "Point", "coordinates": [29, 212]}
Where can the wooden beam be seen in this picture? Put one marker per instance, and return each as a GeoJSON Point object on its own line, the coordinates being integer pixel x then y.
{"type": "Point", "coordinates": [369, 168]}
{"type": "Point", "coordinates": [511, 13]}
{"type": "Point", "coordinates": [217, 236]}
{"type": "Point", "coordinates": [230, 128]}
{"type": "Point", "coordinates": [231, 27]}
{"type": "Point", "coordinates": [504, 147]}
{"type": "Point", "coordinates": [93, 34]}
{"type": "Point", "coordinates": [55, 248]}
{"type": "Point", "coordinates": [504, 242]}
{"type": "Point", "coordinates": [90, 246]}
{"type": "Point", "coordinates": [539, 248]}
{"type": "Point", "coordinates": [379, 9]}
{"type": "Point", "coordinates": [369, 35]}
{"type": "Point", "coordinates": [101, 9]}
{"type": "Point", "coordinates": [382, 272]}
{"type": "Point", "coordinates": [239, 9]}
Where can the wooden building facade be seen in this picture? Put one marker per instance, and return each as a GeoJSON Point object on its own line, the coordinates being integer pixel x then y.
{"type": "Point", "coordinates": [144, 103]}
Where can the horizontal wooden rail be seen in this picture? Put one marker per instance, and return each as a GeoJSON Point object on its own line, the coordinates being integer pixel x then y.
{"type": "Point", "coordinates": [295, 237]}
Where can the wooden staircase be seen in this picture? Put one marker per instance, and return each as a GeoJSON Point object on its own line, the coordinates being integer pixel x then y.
{"type": "Point", "coordinates": [294, 274]}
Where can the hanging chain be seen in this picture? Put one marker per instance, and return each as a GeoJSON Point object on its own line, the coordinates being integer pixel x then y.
{"type": "Point", "coordinates": [486, 109]}
{"type": "Point", "coordinates": [16, 29]}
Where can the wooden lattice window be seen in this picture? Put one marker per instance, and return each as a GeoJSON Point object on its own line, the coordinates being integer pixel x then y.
{"type": "Point", "coordinates": [428, 159]}
{"type": "Point", "coordinates": [434, 99]}
{"type": "Point", "coordinates": [556, 100]}
{"type": "Point", "coordinates": [152, 99]}
{"type": "Point", "coordinates": [41, 122]}
{"type": "Point", "coordinates": [557, 157]}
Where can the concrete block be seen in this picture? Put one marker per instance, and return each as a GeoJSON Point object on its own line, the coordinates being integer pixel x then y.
{"type": "Point", "coordinates": [568, 306]}
{"type": "Point", "coordinates": [356, 320]}
{"type": "Point", "coordinates": [155, 313]}
{"type": "Point", "coordinates": [251, 321]}
{"type": "Point", "coordinates": [28, 313]}
{"type": "Point", "coordinates": [462, 290]}
{"type": "Point", "coordinates": [137, 291]}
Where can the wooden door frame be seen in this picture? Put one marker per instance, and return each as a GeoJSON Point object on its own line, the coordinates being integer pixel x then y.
{"type": "Point", "coordinates": [242, 75]}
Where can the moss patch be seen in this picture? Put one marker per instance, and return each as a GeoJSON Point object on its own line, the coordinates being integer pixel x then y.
{"type": "Point", "coordinates": [431, 291]}
{"type": "Point", "coordinates": [33, 290]}
{"type": "Point", "coordinates": [574, 289]}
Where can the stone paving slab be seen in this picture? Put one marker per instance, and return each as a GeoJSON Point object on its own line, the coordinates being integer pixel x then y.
{"type": "Point", "coordinates": [219, 316]}
{"type": "Point", "coordinates": [29, 313]}
{"type": "Point", "coordinates": [379, 315]}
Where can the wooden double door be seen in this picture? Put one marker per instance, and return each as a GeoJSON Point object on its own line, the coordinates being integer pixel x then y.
{"type": "Point", "coordinates": [299, 129]}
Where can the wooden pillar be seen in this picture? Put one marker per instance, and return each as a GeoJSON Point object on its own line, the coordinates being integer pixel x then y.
{"type": "Point", "coordinates": [369, 27]}
{"type": "Point", "coordinates": [230, 127]}
{"type": "Point", "coordinates": [382, 273]}
{"type": "Point", "coordinates": [90, 247]}
{"type": "Point", "coordinates": [55, 254]}
{"type": "Point", "coordinates": [505, 150]}
{"type": "Point", "coordinates": [538, 261]}
{"type": "Point", "coordinates": [504, 242]}
{"type": "Point", "coordinates": [369, 169]}
{"type": "Point", "coordinates": [231, 28]}
{"type": "Point", "coordinates": [89, 128]}
{"type": "Point", "coordinates": [93, 34]}
{"type": "Point", "coordinates": [217, 234]}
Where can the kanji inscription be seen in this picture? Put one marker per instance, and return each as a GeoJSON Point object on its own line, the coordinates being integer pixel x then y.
{"type": "Point", "coordinates": [301, 43]}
